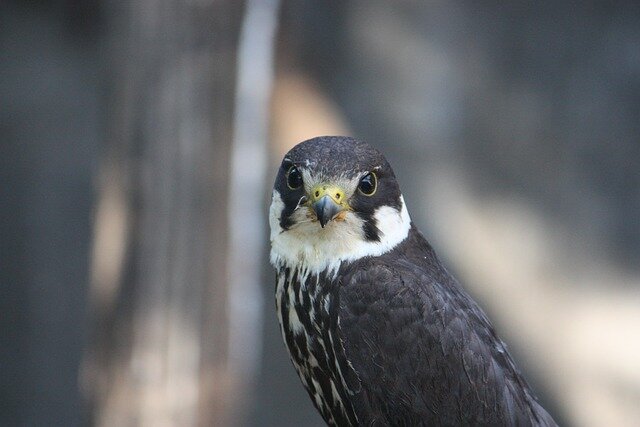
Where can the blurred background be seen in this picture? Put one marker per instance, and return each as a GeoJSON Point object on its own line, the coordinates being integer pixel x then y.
{"type": "Point", "coordinates": [139, 142]}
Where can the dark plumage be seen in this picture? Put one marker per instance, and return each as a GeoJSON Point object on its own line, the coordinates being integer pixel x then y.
{"type": "Point", "coordinates": [385, 338]}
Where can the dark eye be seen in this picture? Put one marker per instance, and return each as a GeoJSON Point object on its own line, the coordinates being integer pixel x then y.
{"type": "Point", "coordinates": [368, 184]}
{"type": "Point", "coordinates": [294, 178]}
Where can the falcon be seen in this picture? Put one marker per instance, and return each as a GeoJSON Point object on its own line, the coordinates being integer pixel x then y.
{"type": "Point", "coordinates": [378, 330]}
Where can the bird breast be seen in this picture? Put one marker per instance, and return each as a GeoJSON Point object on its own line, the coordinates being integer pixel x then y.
{"type": "Point", "coordinates": [304, 307]}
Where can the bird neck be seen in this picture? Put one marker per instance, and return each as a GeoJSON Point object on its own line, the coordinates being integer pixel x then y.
{"type": "Point", "coordinates": [311, 249]}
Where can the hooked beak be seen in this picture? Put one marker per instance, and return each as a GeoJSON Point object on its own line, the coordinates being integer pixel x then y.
{"type": "Point", "coordinates": [327, 201]}
{"type": "Point", "coordinates": [326, 209]}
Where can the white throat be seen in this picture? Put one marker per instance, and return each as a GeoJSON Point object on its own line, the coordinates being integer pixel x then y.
{"type": "Point", "coordinates": [310, 249]}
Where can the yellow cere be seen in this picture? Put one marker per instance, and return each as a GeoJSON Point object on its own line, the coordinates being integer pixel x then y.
{"type": "Point", "coordinates": [336, 193]}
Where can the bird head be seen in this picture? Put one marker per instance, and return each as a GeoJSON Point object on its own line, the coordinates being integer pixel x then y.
{"type": "Point", "coordinates": [335, 199]}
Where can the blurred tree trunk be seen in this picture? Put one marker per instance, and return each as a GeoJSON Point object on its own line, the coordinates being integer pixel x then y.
{"type": "Point", "coordinates": [159, 346]}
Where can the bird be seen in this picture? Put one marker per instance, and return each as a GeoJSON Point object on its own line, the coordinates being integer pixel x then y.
{"type": "Point", "coordinates": [378, 330]}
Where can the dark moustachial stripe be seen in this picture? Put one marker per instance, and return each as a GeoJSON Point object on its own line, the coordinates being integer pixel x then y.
{"type": "Point", "coordinates": [289, 197]}
{"type": "Point", "coordinates": [371, 230]}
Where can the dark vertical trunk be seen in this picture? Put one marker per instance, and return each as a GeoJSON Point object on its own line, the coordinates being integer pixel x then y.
{"type": "Point", "coordinates": [159, 353]}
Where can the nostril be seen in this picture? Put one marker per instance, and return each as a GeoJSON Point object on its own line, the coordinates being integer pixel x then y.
{"type": "Point", "coordinates": [317, 193]}
{"type": "Point", "coordinates": [337, 195]}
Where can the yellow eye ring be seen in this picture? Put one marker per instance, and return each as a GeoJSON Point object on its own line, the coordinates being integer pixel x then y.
{"type": "Point", "coordinates": [368, 184]}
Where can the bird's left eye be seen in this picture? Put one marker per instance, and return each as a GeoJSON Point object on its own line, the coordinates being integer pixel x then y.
{"type": "Point", "coordinates": [368, 184]}
{"type": "Point", "coordinates": [294, 178]}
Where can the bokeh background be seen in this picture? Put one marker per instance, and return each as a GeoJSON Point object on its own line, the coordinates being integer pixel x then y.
{"type": "Point", "coordinates": [139, 141]}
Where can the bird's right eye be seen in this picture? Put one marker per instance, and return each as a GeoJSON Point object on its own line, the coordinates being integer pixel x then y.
{"type": "Point", "coordinates": [294, 178]}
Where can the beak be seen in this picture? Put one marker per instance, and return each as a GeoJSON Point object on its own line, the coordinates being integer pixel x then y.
{"type": "Point", "coordinates": [326, 209]}
{"type": "Point", "coordinates": [327, 201]}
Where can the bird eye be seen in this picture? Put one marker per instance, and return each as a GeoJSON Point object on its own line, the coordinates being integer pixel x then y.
{"type": "Point", "coordinates": [368, 184]}
{"type": "Point", "coordinates": [294, 178]}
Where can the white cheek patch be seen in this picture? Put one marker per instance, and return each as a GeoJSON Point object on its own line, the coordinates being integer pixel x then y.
{"type": "Point", "coordinates": [275, 211]}
{"type": "Point", "coordinates": [312, 249]}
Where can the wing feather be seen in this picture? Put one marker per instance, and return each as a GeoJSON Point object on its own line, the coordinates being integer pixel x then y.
{"type": "Point", "coordinates": [423, 352]}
